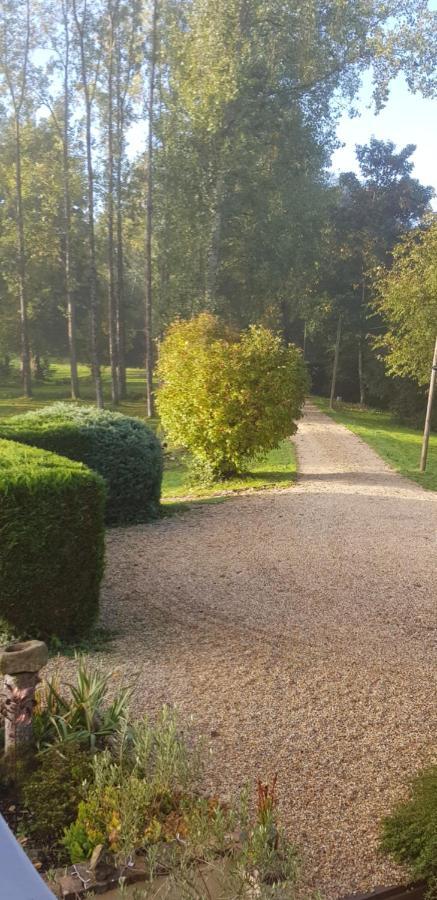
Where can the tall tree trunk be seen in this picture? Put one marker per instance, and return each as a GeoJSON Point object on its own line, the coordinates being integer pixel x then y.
{"type": "Point", "coordinates": [149, 215]}
{"type": "Point", "coordinates": [112, 308]}
{"type": "Point", "coordinates": [360, 344]}
{"type": "Point", "coordinates": [335, 366]}
{"type": "Point", "coordinates": [17, 92]}
{"type": "Point", "coordinates": [214, 245]}
{"type": "Point", "coordinates": [360, 372]}
{"type": "Point", "coordinates": [427, 428]}
{"type": "Point", "coordinates": [94, 306]}
{"type": "Point", "coordinates": [120, 320]}
{"type": "Point", "coordinates": [69, 295]}
{"type": "Point", "coordinates": [22, 285]}
{"type": "Point", "coordinates": [119, 298]}
{"type": "Point", "coordinates": [285, 319]}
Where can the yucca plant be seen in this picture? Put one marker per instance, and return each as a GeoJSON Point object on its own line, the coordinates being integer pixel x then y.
{"type": "Point", "coordinates": [81, 715]}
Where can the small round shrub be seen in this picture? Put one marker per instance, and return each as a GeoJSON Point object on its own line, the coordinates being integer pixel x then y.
{"type": "Point", "coordinates": [228, 398]}
{"type": "Point", "coordinates": [51, 542]}
{"type": "Point", "coordinates": [123, 450]}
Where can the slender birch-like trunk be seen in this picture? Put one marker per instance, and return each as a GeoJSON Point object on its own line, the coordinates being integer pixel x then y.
{"type": "Point", "coordinates": [94, 305]}
{"type": "Point", "coordinates": [112, 306]}
{"type": "Point", "coordinates": [148, 306]}
{"type": "Point", "coordinates": [17, 85]}
{"type": "Point", "coordinates": [335, 365]}
{"type": "Point", "coordinates": [69, 294]}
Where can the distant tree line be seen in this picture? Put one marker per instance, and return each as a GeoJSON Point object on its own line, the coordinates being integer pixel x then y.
{"type": "Point", "coordinates": [159, 158]}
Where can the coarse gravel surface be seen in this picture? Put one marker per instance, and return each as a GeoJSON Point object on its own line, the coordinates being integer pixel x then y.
{"type": "Point", "coordinates": [298, 629]}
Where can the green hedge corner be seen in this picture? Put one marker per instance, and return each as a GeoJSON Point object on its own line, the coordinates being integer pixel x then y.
{"type": "Point", "coordinates": [122, 449]}
{"type": "Point", "coordinates": [51, 542]}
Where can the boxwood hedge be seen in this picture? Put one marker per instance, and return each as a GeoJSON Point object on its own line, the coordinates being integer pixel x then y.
{"type": "Point", "coordinates": [51, 542]}
{"type": "Point", "coordinates": [123, 450]}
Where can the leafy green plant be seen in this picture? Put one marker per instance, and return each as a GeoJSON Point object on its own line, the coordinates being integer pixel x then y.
{"type": "Point", "coordinates": [141, 792]}
{"type": "Point", "coordinates": [81, 714]}
{"type": "Point", "coordinates": [409, 833]}
{"type": "Point", "coordinates": [228, 398]}
{"type": "Point", "coordinates": [51, 542]}
{"type": "Point", "coordinates": [122, 811]}
{"type": "Point", "coordinates": [51, 793]}
{"type": "Point", "coordinates": [223, 852]}
{"type": "Point", "coordinates": [122, 449]}
{"type": "Point", "coordinates": [159, 752]}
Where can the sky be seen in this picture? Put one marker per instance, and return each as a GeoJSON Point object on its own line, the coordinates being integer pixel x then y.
{"type": "Point", "coordinates": [406, 119]}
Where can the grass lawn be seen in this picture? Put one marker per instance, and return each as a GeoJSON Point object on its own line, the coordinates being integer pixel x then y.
{"type": "Point", "coordinates": [397, 444]}
{"type": "Point", "coordinates": [57, 387]}
{"type": "Point", "coordinates": [276, 469]}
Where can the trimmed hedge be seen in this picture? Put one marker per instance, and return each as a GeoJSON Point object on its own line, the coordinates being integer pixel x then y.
{"type": "Point", "coordinates": [51, 542]}
{"type": "Point", "coordinates": [123, 450]}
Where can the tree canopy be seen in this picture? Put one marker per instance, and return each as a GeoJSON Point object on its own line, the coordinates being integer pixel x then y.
{"type": "Point", "coordinates": [407, 300]}
{"type": "Point", "coordinates": [233, 187]}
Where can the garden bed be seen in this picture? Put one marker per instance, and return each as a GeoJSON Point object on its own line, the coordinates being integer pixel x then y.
{"type": "Point", "coordinates": [115, 800]}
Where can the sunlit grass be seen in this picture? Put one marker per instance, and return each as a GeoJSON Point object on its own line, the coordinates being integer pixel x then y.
{"type": "Point", "coordinates": [57, 387]}
{"type": "Point", "coordinates": [276, 469]}
{"type": "Point", "coordinates": [397, 444]}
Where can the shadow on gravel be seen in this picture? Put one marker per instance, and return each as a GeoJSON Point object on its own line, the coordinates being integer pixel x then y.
{"type": "Point", "coordinates": [367, 478]}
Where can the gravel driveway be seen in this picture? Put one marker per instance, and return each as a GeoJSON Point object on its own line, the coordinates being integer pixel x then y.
{"type": "Point", "coordinates": [298, 628]}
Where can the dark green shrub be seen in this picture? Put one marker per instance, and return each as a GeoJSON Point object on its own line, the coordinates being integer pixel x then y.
{"type": "Point", "coordinates": [52, 792]}
{"type": "Point", "coordinates": [51, 542]}
{"type": "Point", "coordinates": [123, 450]}
{"type": "Point", "coordinates": [409, 833]}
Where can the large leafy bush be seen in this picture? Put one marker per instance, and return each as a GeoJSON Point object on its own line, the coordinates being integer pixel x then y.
{"type": "Point", "coordinates": [51, 542]}
{"type": "Point", "coordinates": [409, 833]}
{"type": "Point", "coordinates": [228, 398]}
{"type": "Point", "coordinates": [123, 450]}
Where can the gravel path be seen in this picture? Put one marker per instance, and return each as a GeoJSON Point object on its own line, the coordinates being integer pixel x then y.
{"type": "Point", "coordinates": [298, 629]}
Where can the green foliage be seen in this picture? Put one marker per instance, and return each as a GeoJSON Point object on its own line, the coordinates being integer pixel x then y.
{"type": "Point", "coordinates": [368, 215]}
{"type": "Point", "coordinates": [116, 813]}
{"type": "Point", "coordinates": [277, 468]}
{"type": "Point", "coordinates": [409, 833]}
{"type": "Point", "coordinates": [51, 542]}
{"type": "Point", "coordinates": [123, 450]}
{"type": "Point", "coordinates": [407, 300]}
{"type": "Point", "coordinates": [138, 790]}
{"type": "Point", "coordinates": [130, 807]}
{"type": "Point", "coordinates": [139, 793]}
{"type": "Point", "coordinates": [227, 400]}
{"type": "Point", "coordinates": [51, 793]}
{"type": "Point", "coordinates": [159, 752]}
{"type": "Point", "coordinates": [82, 714]}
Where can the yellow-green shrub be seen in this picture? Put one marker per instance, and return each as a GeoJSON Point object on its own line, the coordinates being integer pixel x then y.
{"type": "Point", "coordinates": [227, 398]}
